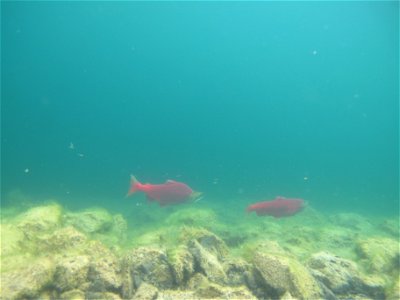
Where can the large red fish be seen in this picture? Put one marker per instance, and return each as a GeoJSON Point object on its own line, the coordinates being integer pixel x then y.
{"type": "Point", "coordinates": [278, 208]}
{"type": "Point", "coordinates": [170, 192]}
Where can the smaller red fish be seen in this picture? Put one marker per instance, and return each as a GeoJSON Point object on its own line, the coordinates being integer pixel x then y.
{"type": "Point", "coordinates": [278, 208]}
{"type": "Point", "coordinates": [170, 192]}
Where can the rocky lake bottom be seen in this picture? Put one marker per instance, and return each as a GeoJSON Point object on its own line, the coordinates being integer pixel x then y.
{"type": "Point", "coordinates": [191, 252]}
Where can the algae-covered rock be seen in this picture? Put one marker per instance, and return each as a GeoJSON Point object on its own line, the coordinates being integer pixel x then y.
{"type": "Point", "coordinates": [39, 219]}
{"type": "Point", "coordinates": [71, 273]}
{"type": "Point", "coordinates": [279, 274]}
{"type": "Point", "coordinates": [182, 263]}
{"type": "Point", "coordinates": [103, 274]}
{"type": "Point", "coordinates": [197, 280]}
{"type": "Point", "coordinates": [393, 292]}
{"type": "Point", "coordinates": [215, 291]}
{"type": "Point", "coordinates": [11, 239]}
{"type": "Point", "coordinates": [90, 221]}
{"type": "Point", "coordinates": [119, 227]}
{"type": "Point", "coordinates": [146, 265]}
{"type": "Point", "coordinates": [146, 291]}
{"type": "Point", "coordinates": [380, 255]}
{"type": "Point", "coordinates": [193, 217]}
{"type": "Point", "coordinates": [73, 295]}
{"type": "Point", "coordinates": [352, 221]}
{"type": "Point", "coordinates": [208, 241]}
{"type": "Point", "coordinates": [207, 262]}
{"type": "Point", "coordinates": [238, 272]}
{"type": "Point", "coordinates": [176, 295]}
{"type": "Point", "coordinates": [27, 282]}
{"type": "Point", "coordinates": [204, 289]}
{"type": "Point", "coordinates": [101, 295]}
{"type": "Point", "coordinates": [342, 277]}
{"type": "Point", "coordinates": [60, 240]}
{"type": "Point", "coordinates": [391, 226]}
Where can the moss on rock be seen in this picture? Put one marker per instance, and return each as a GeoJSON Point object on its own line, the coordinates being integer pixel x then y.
{"type": "Point", "coordinates": [379, 255]}
{"type": "Point", "coordinates": [280, 274]}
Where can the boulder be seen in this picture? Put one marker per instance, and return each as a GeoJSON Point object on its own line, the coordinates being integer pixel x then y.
{"type": "Point", "coordinates": [103, 274]}
{"type": "Point", "coordinates": [351, 221]}
{"type": "Point", "coordinates": [146, 265]}
{"type": "Point", "coordinates": [379, 255]}
{"type": "Point", "coordinates": [71, 273]}
{"type": "Point", "coordinates": [207, 240]}
{"type": "Point", "coordinates": [390, 226]}
{"type": "Point", "coordinates": [90, 221]}
{"type": "Point", "coordinates": [175, 295]}
{"type": "Point", "coordinates": [27, 282]}
{"type": "Point", "coordinates": [277, 275]}
{"type": "Point", "coordinates": [101, 295]}
{"type": "Point", "coordinates": [73, 295]}
{"type": "Point", "coordinates": [146, 291]}
{"type": "Point", "coordinates": [192, 217]}
{"type": "Point", "coordinates": [207, 262]}
{"type": "Point", "coordinates": [11, 239]}
{"type": "Point", "coordinates": [215, 291]}
{"type": "Point", "coordinates": [182, 263]}
{"type": "Point", "coordinates": [60, 240]}
{"type": "Point", "coordinates": [393, 293]}
{"type": "Point", "coordinates": [39, 219]}
{"type": "Point", "coordinates": [342, 277]}
{"type": "Point", "coordinates": [238, 272]}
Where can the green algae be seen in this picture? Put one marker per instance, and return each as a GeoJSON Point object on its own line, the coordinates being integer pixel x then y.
{"type": "Point", "coordinates": [194, 239]}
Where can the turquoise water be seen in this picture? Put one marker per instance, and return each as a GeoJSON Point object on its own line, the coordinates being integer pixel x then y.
{"type": "Point", "coordinates": [242, 101]}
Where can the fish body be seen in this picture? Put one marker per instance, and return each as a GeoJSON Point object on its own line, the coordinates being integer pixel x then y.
{"type": "Point", "coordinates": [170, 192]}
{"type": "Point", "coordinates": [278, 208]}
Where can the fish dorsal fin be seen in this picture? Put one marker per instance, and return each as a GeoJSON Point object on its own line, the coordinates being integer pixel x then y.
{"type": "Point", "coordinates": [170, 181]}
{"type": "Point", "coordinates": [279, 198]}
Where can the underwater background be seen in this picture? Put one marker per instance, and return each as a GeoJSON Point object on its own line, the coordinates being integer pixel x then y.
{"type": "Point", "coordinates": [242, 101]}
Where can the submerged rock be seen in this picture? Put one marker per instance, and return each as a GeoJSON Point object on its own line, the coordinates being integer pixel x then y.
{"type": "Point", "coordinates": [39, 220]}
{"type": "Point", "coordinates": [182, 263]}
{"type": "Point", "coordinates": [146, 291]}
{"type": "Point", "coordinates": [342, 277]}
{"type": "Point", "coordinates": [352, 221]}
{"type": "Point", "coordinates": [207, 240]}
{"type": "Point", "coordinates": [90, 221]}
{"type": "Point", "coordinates": [102, 296]}
{"type": "Point", "coordinates": [207, 262]}
{"type": "Point", "coordinates": [204, 289]}
{"type": "Point", "coordinates": [27, 282]}
{"type": "Point", "coordinates": [71, 273]}
{"type": "Point", "coordinates": [104, 275]}
{"type": "Point", "coordinates": [277, 275]}
{"type": "Point", "coordinates": [11, 239]}
{"type": "Point", "coordinates": [73, 295]}
{"type": "Point", "coordinates": [380, 255]}
{"type": "Point", "coordinates": [176, 295]}
{"type": "Point", "coordinates": [146, 265]}
{"type": "Point", "coordinates": [60, 240]}
{"type": "Point", "coordinates": [193, 217]}
{"type": "Point", "coordinates": [238, 272]}
{"type": "Point", "coordinates": [391, 226]}
{"type": "Point", "coordinates": [215, 291]}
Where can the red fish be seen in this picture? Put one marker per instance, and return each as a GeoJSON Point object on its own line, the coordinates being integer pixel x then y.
{"type": "Point", "coordinates": [278, 208]}
{"type": "Point", "coordinates": [170, 192]}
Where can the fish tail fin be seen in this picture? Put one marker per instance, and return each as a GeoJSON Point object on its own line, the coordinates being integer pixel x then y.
{"type": "Point", "coordinates": [135, 185]}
